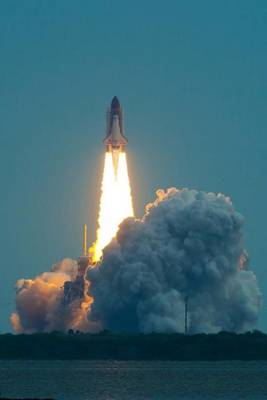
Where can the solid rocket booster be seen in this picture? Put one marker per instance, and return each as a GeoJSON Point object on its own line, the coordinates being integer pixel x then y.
{"type": "Point", "coordinates": [115, 139]}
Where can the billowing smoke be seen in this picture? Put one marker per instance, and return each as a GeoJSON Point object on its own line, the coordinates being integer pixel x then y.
{"type": "Point", "coordinates": [188, 248]}
{"type": "Point", "coordinates": [55, 300]}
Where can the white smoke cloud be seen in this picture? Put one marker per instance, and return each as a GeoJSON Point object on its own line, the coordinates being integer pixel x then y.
{"type": "Point", "coordinates": [188, 246]}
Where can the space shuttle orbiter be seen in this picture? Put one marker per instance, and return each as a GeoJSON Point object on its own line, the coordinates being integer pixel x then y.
{"type": "Point", "coordinates": [115, 138]}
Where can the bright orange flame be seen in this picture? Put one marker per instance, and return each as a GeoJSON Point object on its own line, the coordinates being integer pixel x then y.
{"type": "Point", "coordinates": [116, 201]}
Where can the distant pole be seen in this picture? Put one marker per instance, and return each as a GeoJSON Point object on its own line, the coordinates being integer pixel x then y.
{"type": "Point", "coordinates": [185, 315]}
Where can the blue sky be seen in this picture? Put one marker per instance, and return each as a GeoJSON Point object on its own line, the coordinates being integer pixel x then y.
{"type": "Point", "coordinates": [192, 79]}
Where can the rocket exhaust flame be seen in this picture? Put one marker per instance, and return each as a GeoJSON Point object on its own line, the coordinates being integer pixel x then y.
{"type": "Point", "coordinates": [116, 201]}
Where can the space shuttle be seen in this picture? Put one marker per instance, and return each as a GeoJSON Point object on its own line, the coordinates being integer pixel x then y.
{"type": "Point", "coordinates": [115, 139]}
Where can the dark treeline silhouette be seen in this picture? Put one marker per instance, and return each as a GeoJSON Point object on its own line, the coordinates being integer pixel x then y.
{"type": "Point", "coordinates": [154, 346]}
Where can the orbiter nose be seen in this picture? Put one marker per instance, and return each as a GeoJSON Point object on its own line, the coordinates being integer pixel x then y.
{"type": "Point", "coordinates": [115, 105]}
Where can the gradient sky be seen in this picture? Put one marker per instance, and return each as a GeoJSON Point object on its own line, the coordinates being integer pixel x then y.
{"type": "Point", "coordinates": [191, 76]}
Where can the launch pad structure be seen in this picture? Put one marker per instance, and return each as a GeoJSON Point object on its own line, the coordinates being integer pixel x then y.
{"type": "Point", "coordinates": [75, 289]}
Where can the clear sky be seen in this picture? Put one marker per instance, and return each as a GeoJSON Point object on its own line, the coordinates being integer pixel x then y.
{"type": "Point", "coordinates": [192, 77]}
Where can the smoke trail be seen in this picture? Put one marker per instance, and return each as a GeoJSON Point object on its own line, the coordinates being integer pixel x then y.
{"type": "Point", "coordinates": [189, 245]}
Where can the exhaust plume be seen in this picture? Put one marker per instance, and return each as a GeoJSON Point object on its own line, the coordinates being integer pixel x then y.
{"type": "Point", "coordinates": [189, 245]}
{"type": "Point", "coordinates": [116, 201]}
{"type": "Point", "coordinates": [188, 248]}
